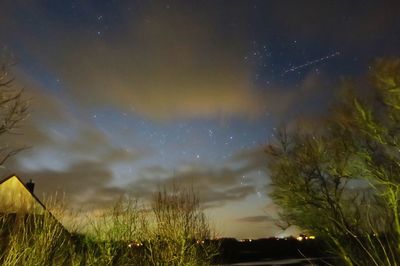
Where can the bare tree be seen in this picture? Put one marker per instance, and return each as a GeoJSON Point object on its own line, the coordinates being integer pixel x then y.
{"type": "Point", "coordinates": [13, 107]}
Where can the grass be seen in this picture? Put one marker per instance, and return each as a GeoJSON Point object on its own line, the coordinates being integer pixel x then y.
{"type": "Point", "coordinates": [168, 232]}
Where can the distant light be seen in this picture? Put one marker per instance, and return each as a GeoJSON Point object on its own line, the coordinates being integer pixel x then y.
{"type": "Point", "coordinates": [311, 237]}
{"type": "Point", "coordinates": [135, 244]}
{"type": "Point", "coordinates": [299, 238]}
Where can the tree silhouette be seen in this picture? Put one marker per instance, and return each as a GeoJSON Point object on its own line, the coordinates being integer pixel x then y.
{"type": "Point", "coordinates": [13, 107]}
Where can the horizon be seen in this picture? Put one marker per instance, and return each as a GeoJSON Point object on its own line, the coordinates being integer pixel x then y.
{"type": "Point", "coordinates": [127, 97]}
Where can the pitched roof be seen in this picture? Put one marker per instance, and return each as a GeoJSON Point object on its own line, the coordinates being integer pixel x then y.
{"type": "Point", "coordinates": [27, 192]}
{"type": "Point", "coordinates": [15, 197]}
{"type": "Point", "coordinates": [21, 185]}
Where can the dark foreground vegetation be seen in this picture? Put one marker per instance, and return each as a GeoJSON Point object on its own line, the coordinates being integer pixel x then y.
{"type": "Point", "coordinates": [235, 251]}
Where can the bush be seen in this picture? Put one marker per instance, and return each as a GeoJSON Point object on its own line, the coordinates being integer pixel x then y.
{"type": "Point", "coordinates": [180, 233]}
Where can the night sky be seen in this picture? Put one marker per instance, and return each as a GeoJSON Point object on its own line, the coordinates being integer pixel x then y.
{"type": "Point", "coordinates": [127, 96]}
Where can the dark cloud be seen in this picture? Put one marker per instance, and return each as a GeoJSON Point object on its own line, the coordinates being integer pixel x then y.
{"type": "Point", "coordinates": [214, 187]}
{"type": "Point", "coordinates": [314, 92]}
{"type": "Point", "coordinates": [216, 198]}
{"type": "Point", "coordinates": [255, 219]}
{"type": "Point", "coordinates": [80, 182]}
{"type": "Point", "coordinates": [250, 159]}
{"type": "Point", "coordinates": [86, 179]}
{"type": "Point", "coordinates": [88, 184]}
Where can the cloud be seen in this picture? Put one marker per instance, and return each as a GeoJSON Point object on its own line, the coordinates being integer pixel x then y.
{"type": "Point", "coordinates": [67, 154]}
{"type": "Point", "coordinates": [85, 176]}
{"type": "Point", "coordinates": [89, 183]}
{"type": "Point", "coordinates": [215, 186]}
{"type": "Point", "coordinates": [58, 137]}
{"type": "Point", "coordinates": [63, 143]}
{"type": "Point", "coordinates": [255, 219]}
{"type": "Point", "coordinates": [85, 184]}
{"type": "Point", "coordinates": [164, 64]}
{"type": "Point", "coordinates": [251, 159]}
{"type": "Point", "coordinates": [310, 98]}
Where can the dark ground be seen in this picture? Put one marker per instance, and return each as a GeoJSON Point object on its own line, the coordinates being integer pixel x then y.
{"type": "Point", "coordinates": [273, 251]}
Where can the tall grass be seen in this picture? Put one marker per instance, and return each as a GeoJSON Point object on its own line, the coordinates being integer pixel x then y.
{"type": "Point", "coordinates": [33, 239]}
{"type": "Point", "coordinates": [172, 230]}
{"type": "Point", "coordinates": [180, 232]}
{"type": "Point", "coordinates": [115, 236]}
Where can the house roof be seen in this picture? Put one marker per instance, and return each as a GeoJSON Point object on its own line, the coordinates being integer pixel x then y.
{"type": "Point", "coordinates": [22, 183]}
{"type": "Point", "coordinates": [37, 200]}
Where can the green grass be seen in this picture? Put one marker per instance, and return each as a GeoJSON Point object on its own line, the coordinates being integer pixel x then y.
{"type": "Point", "coordinates": [165, 233]}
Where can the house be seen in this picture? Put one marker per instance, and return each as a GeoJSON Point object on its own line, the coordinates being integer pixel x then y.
{"type": "Point", "coordinates": [17, 201]}
{"type": "Point", "coordinates": [25, 222]}
{"type": "Point", "coordinates": [18, 198]}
